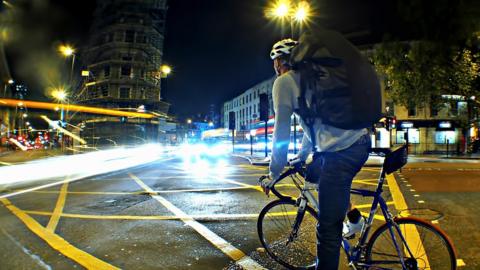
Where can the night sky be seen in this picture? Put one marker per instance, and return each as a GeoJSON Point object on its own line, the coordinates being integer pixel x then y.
{"type": "Point", "coordinates": [217, 48]}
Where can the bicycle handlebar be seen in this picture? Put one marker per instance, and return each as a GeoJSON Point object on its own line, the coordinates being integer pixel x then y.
{"type": "Point", "coordinates": [296, 167]}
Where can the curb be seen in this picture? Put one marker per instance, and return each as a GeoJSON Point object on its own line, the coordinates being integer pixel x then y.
{"type": "Point", "coordinates": [251, 161]}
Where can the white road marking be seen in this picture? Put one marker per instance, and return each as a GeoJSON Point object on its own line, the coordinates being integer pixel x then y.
{"type": "Point", "coordinates": [241, 258]}
{"type": "Point", "coordinates": [34, 257]}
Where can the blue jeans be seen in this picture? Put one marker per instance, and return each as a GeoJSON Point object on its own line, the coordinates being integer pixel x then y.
{"type": "Point", "coordinates": [335, 172]}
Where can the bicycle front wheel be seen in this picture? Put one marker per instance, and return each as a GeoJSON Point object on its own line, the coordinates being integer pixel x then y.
{"type": "Point", "coordinates": [424, 246]}
{"type": "Point", "coordinates": [287, 235]}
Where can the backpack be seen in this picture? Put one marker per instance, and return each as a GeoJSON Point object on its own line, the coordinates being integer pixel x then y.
{"type": "Point", "coordinates": [338, 84]}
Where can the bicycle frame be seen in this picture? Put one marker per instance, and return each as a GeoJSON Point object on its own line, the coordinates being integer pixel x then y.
{"type": "Point", "coordinates": [353, 253]}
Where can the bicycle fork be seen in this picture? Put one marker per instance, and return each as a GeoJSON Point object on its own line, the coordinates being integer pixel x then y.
{"type": "Point", "coordinates": [302, 205]}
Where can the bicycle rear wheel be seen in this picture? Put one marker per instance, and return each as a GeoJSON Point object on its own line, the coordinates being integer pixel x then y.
{"type": "Point", "coordinates": [430, 247]}
{"type": "Point", "coordinates": [275, 229]}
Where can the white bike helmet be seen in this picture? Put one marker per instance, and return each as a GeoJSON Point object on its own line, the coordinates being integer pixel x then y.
{"type": "Point", "coordinates": [283, 47]}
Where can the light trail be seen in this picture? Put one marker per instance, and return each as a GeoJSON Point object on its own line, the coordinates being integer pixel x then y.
{"type": "Point", "coordinates": [55, 125]}
{"type": "Point", "coordinates": [76, 167]}
{"type": "Point", "coordinates": [71, 107]}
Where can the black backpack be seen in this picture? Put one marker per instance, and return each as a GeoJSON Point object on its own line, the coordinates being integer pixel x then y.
{"type": "Point", "coordinates": [338, 84]}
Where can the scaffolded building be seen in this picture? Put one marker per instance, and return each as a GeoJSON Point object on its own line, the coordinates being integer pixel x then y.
{"type": "Point", "coordinates": [123, 61]}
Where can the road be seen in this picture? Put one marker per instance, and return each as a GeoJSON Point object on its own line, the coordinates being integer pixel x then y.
{"type": "Point", "coordinates": [172, 214]}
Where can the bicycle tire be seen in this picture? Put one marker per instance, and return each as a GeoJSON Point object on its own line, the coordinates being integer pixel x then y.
{"type": "Point", "coordinates": [430, 246]}
{"type": "Point", "coordinates": [274, 228]}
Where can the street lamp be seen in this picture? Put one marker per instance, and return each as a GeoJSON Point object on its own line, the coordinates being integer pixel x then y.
{"type": "Point", "coordinates": [9, 82]}
{"type": "Point", "coordinates": [302, 12]}
{"type": "Point", "coordinates": [282, 10]}
{"type": "Point", "coordinates": [165, 71]}
{"type": "Point", "coordinates": [67, 51]}
{"type": "Point", "coordinates": [59, 94]}
{"type": "Point", "coordinates": [253, 132]}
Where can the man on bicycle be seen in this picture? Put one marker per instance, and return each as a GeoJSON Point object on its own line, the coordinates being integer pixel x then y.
{"type": "Point", "coordinates": [337, 156]}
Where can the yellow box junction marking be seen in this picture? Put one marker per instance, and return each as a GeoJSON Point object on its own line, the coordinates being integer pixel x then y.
{"type": "Point", "coordinates": [58, 243]}
{"type": "Point", "coordinates": [411, 235]}
{"type": "Point", "coordinates": [53, 222]}
{"type": "Point", "coordinates": [241, 258]}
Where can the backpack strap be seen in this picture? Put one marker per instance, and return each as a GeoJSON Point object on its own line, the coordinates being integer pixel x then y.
{"type": "Point", "coordinates": [303, 110]}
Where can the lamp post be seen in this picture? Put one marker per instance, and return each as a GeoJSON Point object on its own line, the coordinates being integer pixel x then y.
{"type": "Point", "coordinates": [68, 51]}
{"type": "Point", "coordinates": [165, 71]}
{"type": "Point", "coordinates": [252, 133]}
{"type": "Point", "coordinates": [9, 83]}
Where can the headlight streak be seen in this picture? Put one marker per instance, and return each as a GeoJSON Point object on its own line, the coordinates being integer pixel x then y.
{"type": "Point", "coordinates": [79, 166]}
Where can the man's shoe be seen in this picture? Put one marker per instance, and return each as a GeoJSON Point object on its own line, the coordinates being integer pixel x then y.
{"type": "Point", "coordinates": [349, 228]}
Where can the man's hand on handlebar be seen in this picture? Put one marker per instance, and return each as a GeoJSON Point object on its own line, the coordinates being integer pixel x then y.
{"type": "Point", "coordinates": [265, 182]}
{"type": "Point", "coordinates": [296, 163]}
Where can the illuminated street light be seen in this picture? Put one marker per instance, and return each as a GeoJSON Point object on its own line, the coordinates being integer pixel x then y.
{"type": "Point", "coordinates": [302, 12]}
{"type": "Point", "coordinates": [25, 115]}
{"type": "Point", "coordinates": [11, 81]}
{"type": "Point", "coordinates": [189, 121]}
{"type": "Point", "coordinates": [281, 9]}
{"type": "Point", "coordinates": [210, 124]}
{"type": "Point", "coordinates": [59, 94]}
{"type": "Point", "coordinates": [66, 50]}
{"type": "Point", "coordinates": [165, 70]}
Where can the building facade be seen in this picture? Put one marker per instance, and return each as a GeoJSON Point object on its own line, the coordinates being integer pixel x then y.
{"type": "Point", "coordinates": [124, 55]}
{"type": "Point", "coordinates": [246, 106]}
{"type": "Point", "coordinates": [123, 60]}
{"type": "Point", "coordinates": [428, 130]}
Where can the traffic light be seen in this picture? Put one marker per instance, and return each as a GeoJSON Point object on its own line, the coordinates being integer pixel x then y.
{"type": "Point", "coordinates": [390, 122]}
{"type": "Point", "coordinates": [231, 120]}
{"type": "Point", "coordinates": [263, 107]}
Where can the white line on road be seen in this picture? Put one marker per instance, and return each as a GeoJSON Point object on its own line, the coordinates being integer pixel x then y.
{"type": "Point", "coordinates": [241, 258]}
{"type": "Point", "coordinates": [25, 250]}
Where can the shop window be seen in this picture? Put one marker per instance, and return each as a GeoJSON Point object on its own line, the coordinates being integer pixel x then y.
{"type": "Point", "coordinates": [124, 92]}
{"type": "Point", "coordinates": [413, 136]}
{"type": "Point", "coordinates": [441, 137]}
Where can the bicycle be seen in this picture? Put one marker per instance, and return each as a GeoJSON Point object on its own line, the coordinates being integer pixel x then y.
{"type": "Point", "coordinates": [287, 228]}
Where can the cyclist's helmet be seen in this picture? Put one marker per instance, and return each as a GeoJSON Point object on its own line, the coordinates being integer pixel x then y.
{"type": "Point", "coordinates": [283, 47]}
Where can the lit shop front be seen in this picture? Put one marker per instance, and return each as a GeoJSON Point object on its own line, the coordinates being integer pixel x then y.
{"type": "Point", "coordinates": [430, 136]}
